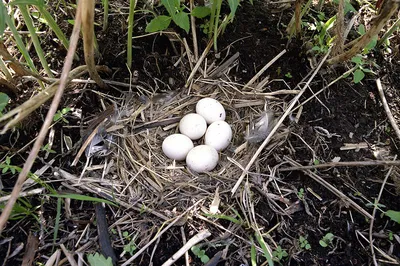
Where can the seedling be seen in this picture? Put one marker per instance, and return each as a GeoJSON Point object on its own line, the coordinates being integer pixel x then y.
{"type": "Point", "coordinates": [359, 74]}
{"type": "Point", "coordinates": [300, 193]}
{"type": "Point", "coordinates": [304, 243]}
{"type": "Point", "coordinates": [279, 253]}
{"type": "Point", "coordinates": [200, 253]}
{"type": "Point", "coordinates": [288, 75]}
{"type": "Point", "coordinates": [326, 240]}
{"type": "Point", "coordinates": [59, 116]}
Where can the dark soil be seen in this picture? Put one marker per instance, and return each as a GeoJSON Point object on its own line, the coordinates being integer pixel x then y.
{"type": "Point", "coordinates": [352, 114]}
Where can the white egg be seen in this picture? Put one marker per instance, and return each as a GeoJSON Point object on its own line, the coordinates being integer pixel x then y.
{"type": "Point", "coordinates": [211, 110]}
{"type": "Point", "coordinates": [177, 146]}
{"type": "Point", "coordinates": [218, 135]}
{"type": "Point", "coordinates": [202, 158]}
{"type": "Point", "coordinates": [193, 125]}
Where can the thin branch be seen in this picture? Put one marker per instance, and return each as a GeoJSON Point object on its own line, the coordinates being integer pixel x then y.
{"type": "Point", "coordinates": [340, 164]}
{"type": "Point", "coordinates": [387, 109]}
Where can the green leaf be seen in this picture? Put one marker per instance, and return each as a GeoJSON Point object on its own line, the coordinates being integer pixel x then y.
{"type": "Point", "coordinates": [371, 45]}
{"type": "Point", "coordinates": [357, 59]}
{"type": "Point", "coordinates": [201, 11]}
{"type": "Point", "coordinates": [5, 169]}
{"type": "Point", "coordinates": [323, 244]}
{"type": "Point", "coordinates": [13, 170]}
{"type": "Point", "coordinates": [361, 29]}
{"type": "Point", "coordinates": [82, 198]}
{"type": "Point", "coordinates": [264, 247]}
{"type": "Point", "coordinates": [393, 215]}
{"type": "Point", "coordinates": [358, 75]}
{"type": "Point", "coordinates": [182, 20]}
{"type": "Point", "coordinates": [204, 259]}
{"type": "Point", "coordinates": [159, 23]}
{"type": "Point", "coordinates": [172, 6]}
{"type": "Point", "coordinates": [3, 100]}
{"type": "Point", "coordinates": [99, 260]}
{"type": "Point", "coordinates": [308, 247]}
{"type": "Point", "coordinates": [195, 250]}
{"type": "Point", "coordinates": [3, 14]}
{"type": "Point", "coordinates": [25, 2]}
{"type": "Point", "coordinates": [233, 5]}
{"type": "Point", "coordinates": [253, 254]}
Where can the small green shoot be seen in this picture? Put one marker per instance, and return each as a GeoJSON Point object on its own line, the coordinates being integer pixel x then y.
{"type": "Point", "coordinates": [176, 14]}
{"type": "Point", "coordinates": [130, 247]}
{"type": "Point", "coordinates": [279, 253]}
{"type": "Point", "coordinates": [265, 249]}
{"type": "Point", "coordinates": [288, 75]}
{"type": "Point", "coordinates": [359, 74]}
{"type": "Point", "coordinates": [200, 253]}
{"type": "Point", "coordinates": [59, 116]}
{"type": "Point", "coordinates": [99, 260]}
{"type": "Point", "coordinates": [7, 166]}
{"type": "Point", "coordinates": [304, 243]}
{"type": "Point", "coordinates": [300, 194]}
{"type": "Point", "coordinates": [326, 240]}
{"type": "Point", "coordinates": [46, 148]}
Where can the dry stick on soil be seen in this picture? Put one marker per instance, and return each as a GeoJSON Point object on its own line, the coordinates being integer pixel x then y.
{"type": "Point", "coordinates": [338, 48]}
{"type": "Point", "coordinates": [331, 188]}
{"type": "Point", "coordinates": [87, 13]}
{"type": "Point", "coordinates": [371, 225]}
{"type": "Point", "coordinates": [278, 124]}
{"type": "Point", "coordinates": [389, 8]}
{"type": "Point", "coordinates": [340, 164]}
{"type": "Point", "coordinates": [387, 109]}
{"type": "Point", "coordinates": [47, 122]}
{"type": "Point", "coordinates": [200, 236]}
{"type": "Point", "coordinates": [194, 34]}
{"type": "Point", "coordinates": [297, 16]}
{"type": "Point", "coordinates": [67, 254]}
{"type": "Point", "coordinates": [30, 250]}
{"type": "Point", "coordinates": [159, 234]}
{"type": "Point", "coordinates": [263, 69]}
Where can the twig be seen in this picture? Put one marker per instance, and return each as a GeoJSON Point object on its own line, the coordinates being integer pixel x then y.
{"type": "Point", "coordinates": [47, 122]}
{"type": "Point", "coordinates": [278, 124]}
{"type": "Point", "coordinates": [24, 194]}
{"type": "Point", "coordinates": [371, 225]}
{"type": "Point", "coordinates": [128, 262]}
{"type": "Point", "coordinates": [67, 254]}
{"type": "Point", "coordinates": [53, 258]}
{"type": "Point", "coordinates": [332, 189]}
{"type": "Point", "coordinates": [387, 110]}
{"type": "Point", "coordinates": [194, 34]}
{"type": "Point", "coordinates": [184, 242]}
{"type": "Point", "coordinates": [340, 164]}
{"type": "Point", "coordinates": [200, 236]}
{"type": "Point", "coordinates": [264, 68]}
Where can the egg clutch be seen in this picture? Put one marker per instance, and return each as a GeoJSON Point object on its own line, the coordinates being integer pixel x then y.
{"type": "Point", "coordinates": [208, 121]}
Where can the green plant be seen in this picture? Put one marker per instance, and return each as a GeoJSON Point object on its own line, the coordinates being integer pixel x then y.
{"type": "Point", "coordinates": [201, 254]}
{"type": "Point", "coordinates": [46, 148]}
{"type": "Point", "coordinates": [130, 247]}
{"type": "Point", "coordinates": [59, 116]}
{"type": "Point", "coordinates": [288, 75]}
{"type": "Point", "coordinates": [300, 193]}
{"type": "Point", "coordinates": [393, 215]}
{"type": "Point", "coordinates": [323, 40]}
{"type": "Point", "coordinates": [176, 14]}
{"type": "Point", "coordinates": [3, 102]}
{"type": "Point", "coordinates": [279, 253]}
{"type": "Point", "coordinates": [7, 166]}
{"type": "Point", "coordinates": [360, 71]}
{"type": "Point", "coordinates": [22, 209]}
{"type": "Point", "coordinates": [99, 260]}
{"type": "Point", "coordinates": [132, 6]}
{"type": "Point", "coordinates": [326, 240]}
{"type": "Point", "coordinates": [304, 243]}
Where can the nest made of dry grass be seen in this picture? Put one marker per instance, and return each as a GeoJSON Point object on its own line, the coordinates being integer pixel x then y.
{"type": "Point", "coordinates": [154, 189]}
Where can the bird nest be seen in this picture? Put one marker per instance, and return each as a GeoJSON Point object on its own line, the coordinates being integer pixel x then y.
{"type": "Point", "coordinates": [151, 188]}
